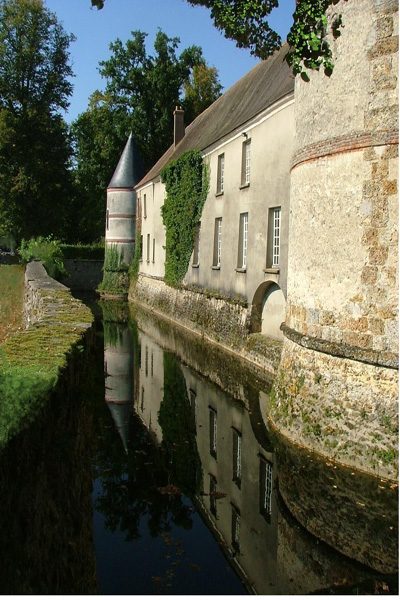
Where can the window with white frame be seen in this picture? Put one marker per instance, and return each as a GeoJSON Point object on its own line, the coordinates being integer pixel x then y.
{"type": "Point", "coordinates": [235, 528]}
{"type": "Point", "coordinates": [220, 173]}
{"type": "Point", "coordinates": [217, 242]}
{"type": "Point", "coordinates": [144, 206]}
{"type": "Point", "coordinates": [154, 250]}
{"type": "Point", "coordinates": [265, 482]}
{"type": "Point", "coordinates": [107, 219]}
{"type": "Point", "coordinates": [274, 237]}
{"type": "Point", "coordinates": [213, 431]}
{"type": "Point", "coordinates": [196, 245]}
{"type": "Point", "coordinates": [243, 240]}
{"type": "Point", "coordinates": [237, 456]}
{"type": "Point", "coordinates": [148, 247]}
{"type": "Point", "coordinates": [246, 154]}
{"type": "Point", "coordinates": [213, 495]}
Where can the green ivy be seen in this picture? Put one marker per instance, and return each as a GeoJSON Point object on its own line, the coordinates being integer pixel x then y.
{"type": "Point", "coordinates": [186, 181]}
{"type": "Point", "coordinates": [309, 47]}
{"type": "Point", "coordinates": [115, 272]}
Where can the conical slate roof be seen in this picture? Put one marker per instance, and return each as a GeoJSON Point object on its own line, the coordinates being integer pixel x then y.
{"type": "Point", "coordinates": [129, 169]}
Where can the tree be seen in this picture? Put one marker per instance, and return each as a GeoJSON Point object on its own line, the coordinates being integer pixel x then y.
{"type": "Point", "coordinates": [99, 135]}
{"type": "Point", "coordinates": [245, 21]}
{"type": "Point", "coordinates": [149, 87]}
{"type": "Point", "coordinates": [34, 146]}
{"type": "Point", "coordinates": [200, 91]}
{"type": "Point", "coordinates": [140, 96]}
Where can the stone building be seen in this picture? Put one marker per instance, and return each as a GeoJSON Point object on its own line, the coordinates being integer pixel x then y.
{"type": "Point", "coordinates": [298, 236]}
{"type": "Point", "coordinates": [241, 247]}
{"type": "Point", "coordinates": [336, 389]}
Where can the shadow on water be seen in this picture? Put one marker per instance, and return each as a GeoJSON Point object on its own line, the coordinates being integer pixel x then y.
{"type": "Point", "coordinates": [153, 473]}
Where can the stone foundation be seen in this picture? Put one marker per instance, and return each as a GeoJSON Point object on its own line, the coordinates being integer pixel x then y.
{"type": "Point", "coordinates": [217, 319]}
{"type": "Point", "coordinates": [342, 408]}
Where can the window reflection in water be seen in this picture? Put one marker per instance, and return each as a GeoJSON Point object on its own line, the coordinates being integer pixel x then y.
{"type": "Point", "coordinates": [236, 492]}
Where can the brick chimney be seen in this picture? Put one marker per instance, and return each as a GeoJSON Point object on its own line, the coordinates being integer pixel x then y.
{"type": "Point", "coordinates": [179, 125]}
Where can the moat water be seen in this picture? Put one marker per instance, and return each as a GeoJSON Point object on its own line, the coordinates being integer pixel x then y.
{"type": "Point", "coordinates": [155, 473]}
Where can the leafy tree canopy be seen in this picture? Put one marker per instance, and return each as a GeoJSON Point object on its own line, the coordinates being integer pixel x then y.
{"type": "Point", "coordinates": [148, 87]}
{"type": "Point", "coordinates": [246, 22]}
{"type": "Point", "coordinates": [34, 145]}
{"type": "Point", "coordinates": [141, 93]}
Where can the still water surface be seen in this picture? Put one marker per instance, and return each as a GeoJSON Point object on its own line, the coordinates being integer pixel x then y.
{"type": "Point", "coordinates": [156, 474]}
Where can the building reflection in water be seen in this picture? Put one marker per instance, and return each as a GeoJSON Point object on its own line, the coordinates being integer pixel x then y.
{"type": "Point", "coordinates": [231, 472]}
{"type": "Point", "coordinates": [118, 375]}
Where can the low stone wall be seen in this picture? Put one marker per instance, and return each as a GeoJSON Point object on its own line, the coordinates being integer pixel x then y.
{"type": "Point", "coordinates": [83, 275]}
{"type": "Point", "coordinates": [32, 360]}
{"type": "Point", "coordinates": [217, 319]}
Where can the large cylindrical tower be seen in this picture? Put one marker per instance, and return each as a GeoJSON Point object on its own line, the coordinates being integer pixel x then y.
{"type": "Point", "coordinates": [121, 203]}
{"type": "Point", "coordinates": [336, 390]}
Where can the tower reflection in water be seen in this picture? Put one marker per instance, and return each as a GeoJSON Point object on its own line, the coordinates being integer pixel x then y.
{"type": "Point", "coordinates": [118, 375]}
{"type": "Point", "coordinates": [220, 455]}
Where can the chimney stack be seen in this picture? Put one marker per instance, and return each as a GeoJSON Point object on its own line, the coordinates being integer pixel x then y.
{"type": "Point", "coordinates": [179, 125]}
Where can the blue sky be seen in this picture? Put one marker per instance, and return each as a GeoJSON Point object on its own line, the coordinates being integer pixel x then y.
{"type": "Point", "coordinates": [96, 29]}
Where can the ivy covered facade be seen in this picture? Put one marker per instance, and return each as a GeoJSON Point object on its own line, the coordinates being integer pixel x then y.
{"type": "Point", "coordinates": [214, 210]}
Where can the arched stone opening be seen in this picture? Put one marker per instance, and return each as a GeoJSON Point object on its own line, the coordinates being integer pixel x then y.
{"type": "Point", "coordinates": [268, 310]}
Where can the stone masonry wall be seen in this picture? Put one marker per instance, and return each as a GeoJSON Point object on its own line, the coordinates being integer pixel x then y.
{"type": "Point", "coordinates": [344, 409]}
{"type": "Point", "coordinates": [343, 260]}
{"type": "Point", "coordinates": [336, 391]}
{"type": "Point", "coordinates": [217, 319]}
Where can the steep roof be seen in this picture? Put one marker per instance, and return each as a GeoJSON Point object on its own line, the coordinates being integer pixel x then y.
{"type": "Point", "coordinates": [269, 81]}
{"type": "Point", "coordinates": [129, 170]}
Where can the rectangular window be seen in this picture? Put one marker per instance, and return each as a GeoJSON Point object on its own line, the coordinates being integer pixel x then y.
{"type": "Point", "coordinates": [107, 219]}
{"type": "Point", "coordinates": [144, 206]}
{"type": "Point", "coordinates": [220, 174]}
{"type": "Point", "coordinates": [213, 497]}
{"type": "Point", "coordinates": [213, 432]}
{"type": "Point", "coordinates": [148, 247]}
{"type": "Point", "coordinates": [141, 248]}
{"type": "Point", "coordinates": [265, 487]}
{"type": "Point", "coordinates": [235, 528]}
{"type": "Point", "coordinates": [142, 401]}
{"type": "Point", "coordinates": [154, 249]}
{"type": "Point", "coordinates": [243, 240]}
{"type": "Point", "coordinates": [152, 364]}
{"type": "Point", "coordinates": [196, 245]}
{"type": "Point", "coordinates": [217, 242]}
{"type": "Point", "coordinates": [237, 456]}
{"type": "Point", "coordinates": [146, 362]}
{"type": "Point", "coordinates": [192, 398]}
{"type": "Point", "coordinates": [274, 237]}
{"type": "Point", "coordinates": [246, 162]}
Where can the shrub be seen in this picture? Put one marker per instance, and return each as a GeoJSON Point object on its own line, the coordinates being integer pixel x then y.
{"type": "Point", "coordinates": [93, 251]}
{"type": "Point", "coordinates": [48, 250]}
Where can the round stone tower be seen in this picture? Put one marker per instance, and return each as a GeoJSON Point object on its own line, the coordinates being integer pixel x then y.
{"type": "Point", "coordinates": [121, 203]}
{"type": "Point", "coordinates": [336, 390]}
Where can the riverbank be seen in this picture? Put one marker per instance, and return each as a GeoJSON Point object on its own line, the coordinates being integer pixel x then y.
{"type": "Point", "coordinates": [33, 359]}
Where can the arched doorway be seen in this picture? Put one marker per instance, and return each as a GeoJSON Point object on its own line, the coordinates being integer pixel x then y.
{"type": "Point", "coordinates": [268, 310]}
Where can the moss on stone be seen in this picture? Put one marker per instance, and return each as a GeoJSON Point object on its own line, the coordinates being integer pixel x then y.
{"type": "Point", "coordinates": [32, 359]}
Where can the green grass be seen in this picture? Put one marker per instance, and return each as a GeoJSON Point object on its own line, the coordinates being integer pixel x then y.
{"type": "Point", "coordinates": [11, 299]}
{"type": "Point", "coordinates": [32, 360]}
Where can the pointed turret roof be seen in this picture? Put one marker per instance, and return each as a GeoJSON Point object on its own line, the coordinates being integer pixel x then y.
{"type": "Point", "coordinates": [129, 169]}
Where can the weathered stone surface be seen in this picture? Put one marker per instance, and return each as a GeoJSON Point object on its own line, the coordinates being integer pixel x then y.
{"type": "Point", "coordinates": [320, 400]}
{"type": "Point", "coordinates": [221, 320]}
{"type": "Point", "coordinates": [339, 379]}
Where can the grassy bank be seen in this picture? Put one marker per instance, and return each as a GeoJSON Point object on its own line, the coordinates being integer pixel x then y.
{"type": "Point", "coordinates": [31, 360]}
{"type": "Point", "coordinates": [11, 299]}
